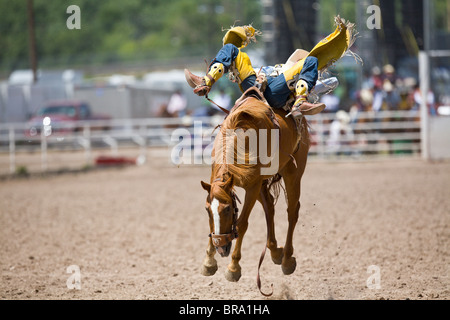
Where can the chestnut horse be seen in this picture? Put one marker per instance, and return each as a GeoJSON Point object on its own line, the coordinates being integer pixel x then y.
{"type": "Point", "coordinates": [289, 154]}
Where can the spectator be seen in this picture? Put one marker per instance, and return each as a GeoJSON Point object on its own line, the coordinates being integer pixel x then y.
{"type": "Point", "coordinates": [391, 97]}
{"type": "Point", "coordinates": [177, 104]}
{"type": "Point", "coordinates": [389, 74]}
{"type": "Point", "coordinates": [408, 85]}
{"type": "Point", "coordinates": [365, 100]}
{"type": "Point", "coordinates": [378, 96]}
{"type": "Point", "coordinates": [341, 134]}
{"type": "Point", "coordinates": [375, 81]}
{"type": "Point", "coordinates": [377, 78]}
{"type": "Point", "coordinates": [417, 95]}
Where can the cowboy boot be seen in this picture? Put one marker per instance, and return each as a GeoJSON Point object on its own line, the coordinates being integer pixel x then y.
{"type": "Point", "coordinates": [202, 86]}
{"type": "Point", "coordinates": [301, 106]}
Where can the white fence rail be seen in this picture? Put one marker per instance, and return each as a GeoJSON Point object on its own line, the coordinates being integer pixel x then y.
{"type": "Point", "coordinates": [386, 133]}
{"type": "Point", "coordinates": [54, 146]}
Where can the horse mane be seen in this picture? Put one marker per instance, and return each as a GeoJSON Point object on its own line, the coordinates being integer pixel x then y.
{"type": "Point", "coordinates": [218, 191]}
{"type": "Point", "coordinates": [252, 114]}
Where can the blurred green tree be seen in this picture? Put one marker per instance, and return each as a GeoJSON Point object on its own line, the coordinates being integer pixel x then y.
{"type": "Point", "coordinates": [115, 31]}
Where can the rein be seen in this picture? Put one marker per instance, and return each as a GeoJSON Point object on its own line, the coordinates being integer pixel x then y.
{"type": "Point", "coordinates": [263, 253]}
{"type": "Point", "coordinates": [221, 108]}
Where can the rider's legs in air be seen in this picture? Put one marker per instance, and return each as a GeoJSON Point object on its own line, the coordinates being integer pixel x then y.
{"type": "Point", "coordinates": [299, 79]}
{"type": "Point", "coordinates": [229, 59]}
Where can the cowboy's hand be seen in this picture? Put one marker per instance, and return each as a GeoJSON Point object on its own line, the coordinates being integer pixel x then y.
{"type": "Point", "coordinates": [202, 90]}
{"type": "Point", "coordinates": [297, 104]}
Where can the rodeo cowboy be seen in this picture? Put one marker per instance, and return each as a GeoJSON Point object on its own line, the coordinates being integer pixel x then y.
{"type": "Point", "coordinates": [288, 85]}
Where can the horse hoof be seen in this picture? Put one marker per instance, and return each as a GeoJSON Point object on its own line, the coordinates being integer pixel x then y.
{"type": "Point", "coordinates": [232, 276]}
{"type": "Point", "coordinates": [277, 255]}
{"type": "Point", "coordinates": [209, 270]}
{"type": "Point", "coordinates": [288, 267]}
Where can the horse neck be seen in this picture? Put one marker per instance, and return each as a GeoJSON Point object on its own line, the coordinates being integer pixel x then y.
{"type": "Point", "coordinates": [255, 117]}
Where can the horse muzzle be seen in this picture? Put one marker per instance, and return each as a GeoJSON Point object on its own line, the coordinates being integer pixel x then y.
{"type": "Point", "coordinates": [222, 243]}
{"type": "Point", "coordinates": [224, 251]}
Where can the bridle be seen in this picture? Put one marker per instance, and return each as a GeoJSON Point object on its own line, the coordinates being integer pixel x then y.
{"type": "Point", "coordinates": [221, 240]}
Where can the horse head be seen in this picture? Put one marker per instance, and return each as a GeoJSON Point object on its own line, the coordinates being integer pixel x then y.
{"type": "Point", "coordinates": [222, 211]}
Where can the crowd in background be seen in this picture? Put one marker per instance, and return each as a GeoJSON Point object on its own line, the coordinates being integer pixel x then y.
{"type": "Point", "coordinates": [384, 90]}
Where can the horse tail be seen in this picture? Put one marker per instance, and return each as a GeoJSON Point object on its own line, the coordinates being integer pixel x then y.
{"type": "Point", "coordinates": [274, 187]}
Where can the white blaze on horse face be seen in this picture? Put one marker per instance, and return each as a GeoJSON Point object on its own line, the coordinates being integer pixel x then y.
{"type": "Point", "coordinates": [215, 210]}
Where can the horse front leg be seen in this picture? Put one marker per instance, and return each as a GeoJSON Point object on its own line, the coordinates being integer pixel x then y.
{"type": "Point", "coordinates": [233, 272]}
{"type": "Point", "coordinates": [209, 266]}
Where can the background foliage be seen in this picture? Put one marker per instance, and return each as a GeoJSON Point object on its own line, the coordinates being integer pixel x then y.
{"type": "Point", "coordinates": [118, 31]}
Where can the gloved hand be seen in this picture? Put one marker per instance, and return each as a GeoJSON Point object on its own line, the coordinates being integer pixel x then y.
{"type": "Point", "coordinates": [202, 90]}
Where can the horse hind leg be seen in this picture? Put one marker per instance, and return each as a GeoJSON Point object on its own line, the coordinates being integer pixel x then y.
{"type": "Point", "coordinates": [289, 264]}
{"type": "Point", "coordinates": [267, 202]}
{"type": "Point", "coordinates": [291, 177]}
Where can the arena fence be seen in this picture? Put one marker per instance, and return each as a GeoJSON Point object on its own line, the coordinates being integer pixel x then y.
{"type": "Point", "coordinates": [27, 148]}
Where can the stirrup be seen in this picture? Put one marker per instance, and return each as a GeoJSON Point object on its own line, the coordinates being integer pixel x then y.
{"type": "Point", "coordinates": [295, 113]}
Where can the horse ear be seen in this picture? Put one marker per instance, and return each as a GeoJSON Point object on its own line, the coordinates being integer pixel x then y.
{"type": "Point", "coordinates": [206, 186]}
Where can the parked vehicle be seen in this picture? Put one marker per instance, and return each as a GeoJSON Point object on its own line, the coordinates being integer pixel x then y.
{"type": "Point", "coordinates": [61, 117]}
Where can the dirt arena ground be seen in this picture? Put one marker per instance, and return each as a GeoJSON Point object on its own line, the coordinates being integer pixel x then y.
{"type": "Point", "coordinates": [141, 233]}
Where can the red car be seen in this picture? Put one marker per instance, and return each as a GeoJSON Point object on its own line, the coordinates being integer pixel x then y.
{"type": "Point", "coordinates": [60, 117]}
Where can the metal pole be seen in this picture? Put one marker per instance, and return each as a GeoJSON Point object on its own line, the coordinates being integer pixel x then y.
{"type": "Point", "coordinates": [44, 162]}
{"type": "Point", "coordinates": [12, 150]}
{"type": "Point", "coordinates": [32, 39]}
{"type": "Point", "coordinates": [424, 75]}
{"type": "Point", "coordinates": [87, 144]}
{"type": "Point", "coordinates": [426, 25]}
